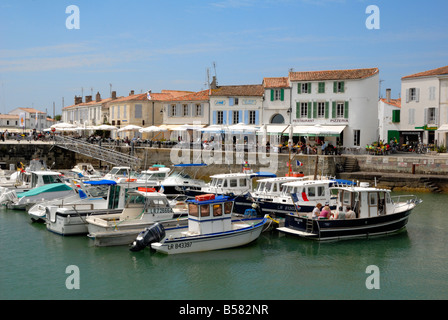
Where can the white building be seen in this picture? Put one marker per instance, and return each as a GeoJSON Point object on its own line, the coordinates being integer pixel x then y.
{"type": "Point", "coordinates": [88, 113]}
{"type": "Point", "coordinates": [342, 101]}
{"type": "Point", "coordinates": [389, 115]}
{"type": "Point", "coordinates": [33, 119]}
{"type": "Point", "coordinates": [237, 104]}
{"type": "Point", "coordinates": [424, 116]}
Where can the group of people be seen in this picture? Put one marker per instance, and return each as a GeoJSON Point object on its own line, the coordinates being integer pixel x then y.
{"type": "Point", "coordinates": [325, 213]}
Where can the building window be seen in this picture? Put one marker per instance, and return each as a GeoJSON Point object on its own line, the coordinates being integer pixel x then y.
{"type": "Point", "coordinates": [431, 116]}
{"type": "Point", "coordinates": [357, 137]}
{"type": "Point", "coordinates": [198, 110]}
{"type": "Point", "coordinates": [321, 109]}
{"type": "Point", "coordinates": [236, 117]}
{"type": "Point", "coordinates": [138, 111]}
{"type": "Point", "coordinates": [220, 117]}
{"type": "Point", "coordinates": [252, 117]}
{"type": "Point", "coordinates": [340, 110]}
{"type": "Point", "coordinates": [412, 94]}
{"type": "Point", "coordinates": [303, 110]}
{"type": "Point", "coordinates": [185, 110]}
{"type": "Point", "coordinates": [306, 87]}
{"type": "Point", "coordinates": [173, 110]}
{"type": "Point", "coordinates": [432, 93]}
{"type": "Point", "coordinates": [411, 116]}
{"type": "Point", "coordinates": [338, 86]}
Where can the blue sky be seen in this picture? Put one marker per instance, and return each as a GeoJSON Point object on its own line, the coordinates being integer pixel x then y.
{"type": "Point", "coordinates": [154, 45]}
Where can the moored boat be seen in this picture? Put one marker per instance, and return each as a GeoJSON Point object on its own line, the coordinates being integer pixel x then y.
{"type": "Point", "coordinates": [361, 211]}
{"type": "Point", "coordinates": [210, 227]}
{"type": "Point", "coordinates": [145, 207]}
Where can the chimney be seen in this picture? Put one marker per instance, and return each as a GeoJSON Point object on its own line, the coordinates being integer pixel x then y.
{"type": "Point", "coordinates": [78, 100]}
{"type": "Point", "coordinates": [131, 93]}
{"type": "Point", "coordinates": [388, 91]}
{"type": "Point", "coordinates": [98, 97]}
{"type": "Point", "coordinates": [88, 99]}
{"type": "Point", "coordinates": [214, 84]}
{"type": "Point", "coordinates": [114, 95]}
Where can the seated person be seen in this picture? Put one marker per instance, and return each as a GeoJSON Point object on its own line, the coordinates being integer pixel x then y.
{"type": "Point", "coordinates": [316, 212]}
{"type": "Point", "coordinates": [325, 213]}
{"type": "Point", "coordinates": [350, 214]}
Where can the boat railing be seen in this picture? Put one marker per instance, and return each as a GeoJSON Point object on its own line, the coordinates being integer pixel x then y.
{"type": "Point", "coordinates": [404, 200]}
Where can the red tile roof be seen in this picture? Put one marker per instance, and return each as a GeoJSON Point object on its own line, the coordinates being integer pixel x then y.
{"type": "Point", "coordinates": [241, 90]}
{"type": "Point", "coordinates": [351, 74]}
{"type": "Point", "coordinates": [433, 72]}
{"type": "Point", "coordinates": [393, 102]}
{"type": "Point", "coordinates": [276, 82]}
{"type": "Point", "coordinates": [195, 96]}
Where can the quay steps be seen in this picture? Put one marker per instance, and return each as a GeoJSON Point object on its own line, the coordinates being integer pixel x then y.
{"type": "Point", "coordinates": [429, 184]}
{"type": "Point", "coordinates": [97, 152]}
{"type": "Point", "coordinates": [351, 165]}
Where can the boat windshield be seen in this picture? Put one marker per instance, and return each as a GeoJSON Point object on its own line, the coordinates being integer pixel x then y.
{"type": "Point", "coordinates": [98, 191]}
{"type": "Point", "coordinates": [47, 179]}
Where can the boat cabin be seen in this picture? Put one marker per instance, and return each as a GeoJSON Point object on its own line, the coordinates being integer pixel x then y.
{"type": "Point", "coordinates": [155, 173]}
{"type": "Point", "coordinates": [117, 173]}
{"type": "Point", "coordinates": [366, 202]}
{"type": "Point", "coordinates": [210, 213]}
{"type": "Point", "coordinates": [271, 187]}
{"type": "Point", "coordinates": [41, 178]}
{"type": "Point", "coordinates": [146, 201]}
{"type": "Point", "coordinates": [234, 183]}
{"type": "Point", "coordinates": [313, 190]}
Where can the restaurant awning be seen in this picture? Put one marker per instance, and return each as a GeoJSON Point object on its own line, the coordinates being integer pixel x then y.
{"type": "Point", "coordinates": [443, 127]}
{"type": "Point", "coordinates": [318, 131]}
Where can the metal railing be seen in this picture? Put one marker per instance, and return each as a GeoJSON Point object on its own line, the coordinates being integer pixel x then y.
{"type": "Point", "coordinates": [96, 151]}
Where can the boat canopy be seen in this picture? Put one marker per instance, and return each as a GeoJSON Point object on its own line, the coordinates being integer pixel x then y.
{"type": "Point", "coordinates": [183, 165]}
{"type": "Point", "coordinates": [263, 174]}
{"type": "Point", "coordinates": [213, 200]}
{"type": "Point", "coordinates": [53, 187]}
{"type": "Point", "coordinates": [101, 182]}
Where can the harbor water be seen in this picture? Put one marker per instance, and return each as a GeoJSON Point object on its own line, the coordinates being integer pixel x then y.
{"type": "Point", "coordinates": [36, 264]}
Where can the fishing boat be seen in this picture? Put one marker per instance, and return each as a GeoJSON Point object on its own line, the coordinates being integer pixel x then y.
{"type": "Point", "coordinates": [89, 195]}
{"type": "Point", "coordinates": [361, 211]}
{"type": "Point", "coordinates": [239, 185]}
{"type": "Point", "coordinates": [144, 207]}
{"type": "Point", "coordinates": [70, 219]}
{"type": "Point", "coordinates": [309, 194]}
{"type": "Point", "coordinates": [210, 227]}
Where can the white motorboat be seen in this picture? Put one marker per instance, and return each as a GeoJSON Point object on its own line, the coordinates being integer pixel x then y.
{"type": "Point", "coordinates": [89, 195]}
{"type": "Point", "coordinates": [71, 219]}
{"type": "Point", "coordinates": [361, 212]}
{"type": "Point", "coordinates": [26, 181]}
{"type": "Point", "coordinates": [210, 227]}
{"type": "Point", "coordinates": [86, 171]}
{"type": "Point", "coordinates": [178, 181]}
{"type": "Point", "coordinates": [144, 207]}
{"type": "Point", "coordinates": [120, 173]}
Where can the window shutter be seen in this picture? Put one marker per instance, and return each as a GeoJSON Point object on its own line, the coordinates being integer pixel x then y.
{"type": "Point", "coordinates": [231, 101]}
{"type": "Point", "coordinates": [314, 110]}
{"type": "Point", "coordinates": [342, 86]}
{"type": "Point", "coordinates": [309, 110]}
{"type": "Point", "coordinates": [417, 95]}
{"type": "Point", "coordinates": [257, 113]}
{"type": "Point", "coordinates": [224, 117]}
{"type": "Point", "coordinates": [346, 110]}
{"type": "Point", "coordinates": [214, 117]}
{"type": "Point", "coordinates": [327, 109]}
{"type": "Point", "coordinates": [309, 87]}
{"type": "Point", "coordinates": [282, 94]}
{"type": "Point", "coordinates": [299, 88]}
{"type": "Point", "coordinates": [246, 117]}
{"type": "Point", "coordinates": [298, 110]}
{"type": "Point", "coordinates": [333, 111]}
{"type": "Point", "coordinates": [272, 94]}
{"type": "Point", "coordinates": [335, 87]}
{"type": "Point", "coordinates": [407, 95]}
{"type": "Point", "coordinates": [240, 116]}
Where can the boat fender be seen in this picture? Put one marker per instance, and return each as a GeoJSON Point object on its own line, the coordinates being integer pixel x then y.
{"type": "Point", "coordinates": [152, 234]}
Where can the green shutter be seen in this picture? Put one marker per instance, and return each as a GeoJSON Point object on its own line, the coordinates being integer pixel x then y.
{"type": "Point", "coordinates": [346, 110]}
{"type": "Point", "coordinates": [299, 88]}
{"type": "Point", "coordinates": [327, 111]}
{"type": "Point", "coordinates": [333, 111]}
{"type": "Point", "coordinates": [342, 86]}
{"type": "Point", "coordinates": [321, 87]}
{"type": "Point", "coordinates": [335, 87]}
{"type": "Point", "coordinates": [395, 115]}
{"type": "Point", "coordinates": [309, 110]}
{"type": "Point", "coordinates": [309, 87]}
{"type": "Point", "coordinates": [314, 110]}
{"type": "Point", "coordinates": [272, 94]}
{"type": "Point", "coordinates": [282, 94]}
{"type": "Point", "coordinates": [298, 110]}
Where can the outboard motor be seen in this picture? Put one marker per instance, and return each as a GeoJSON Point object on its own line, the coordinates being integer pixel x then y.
{"type": "Point", "coordinates": [149, 235]}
